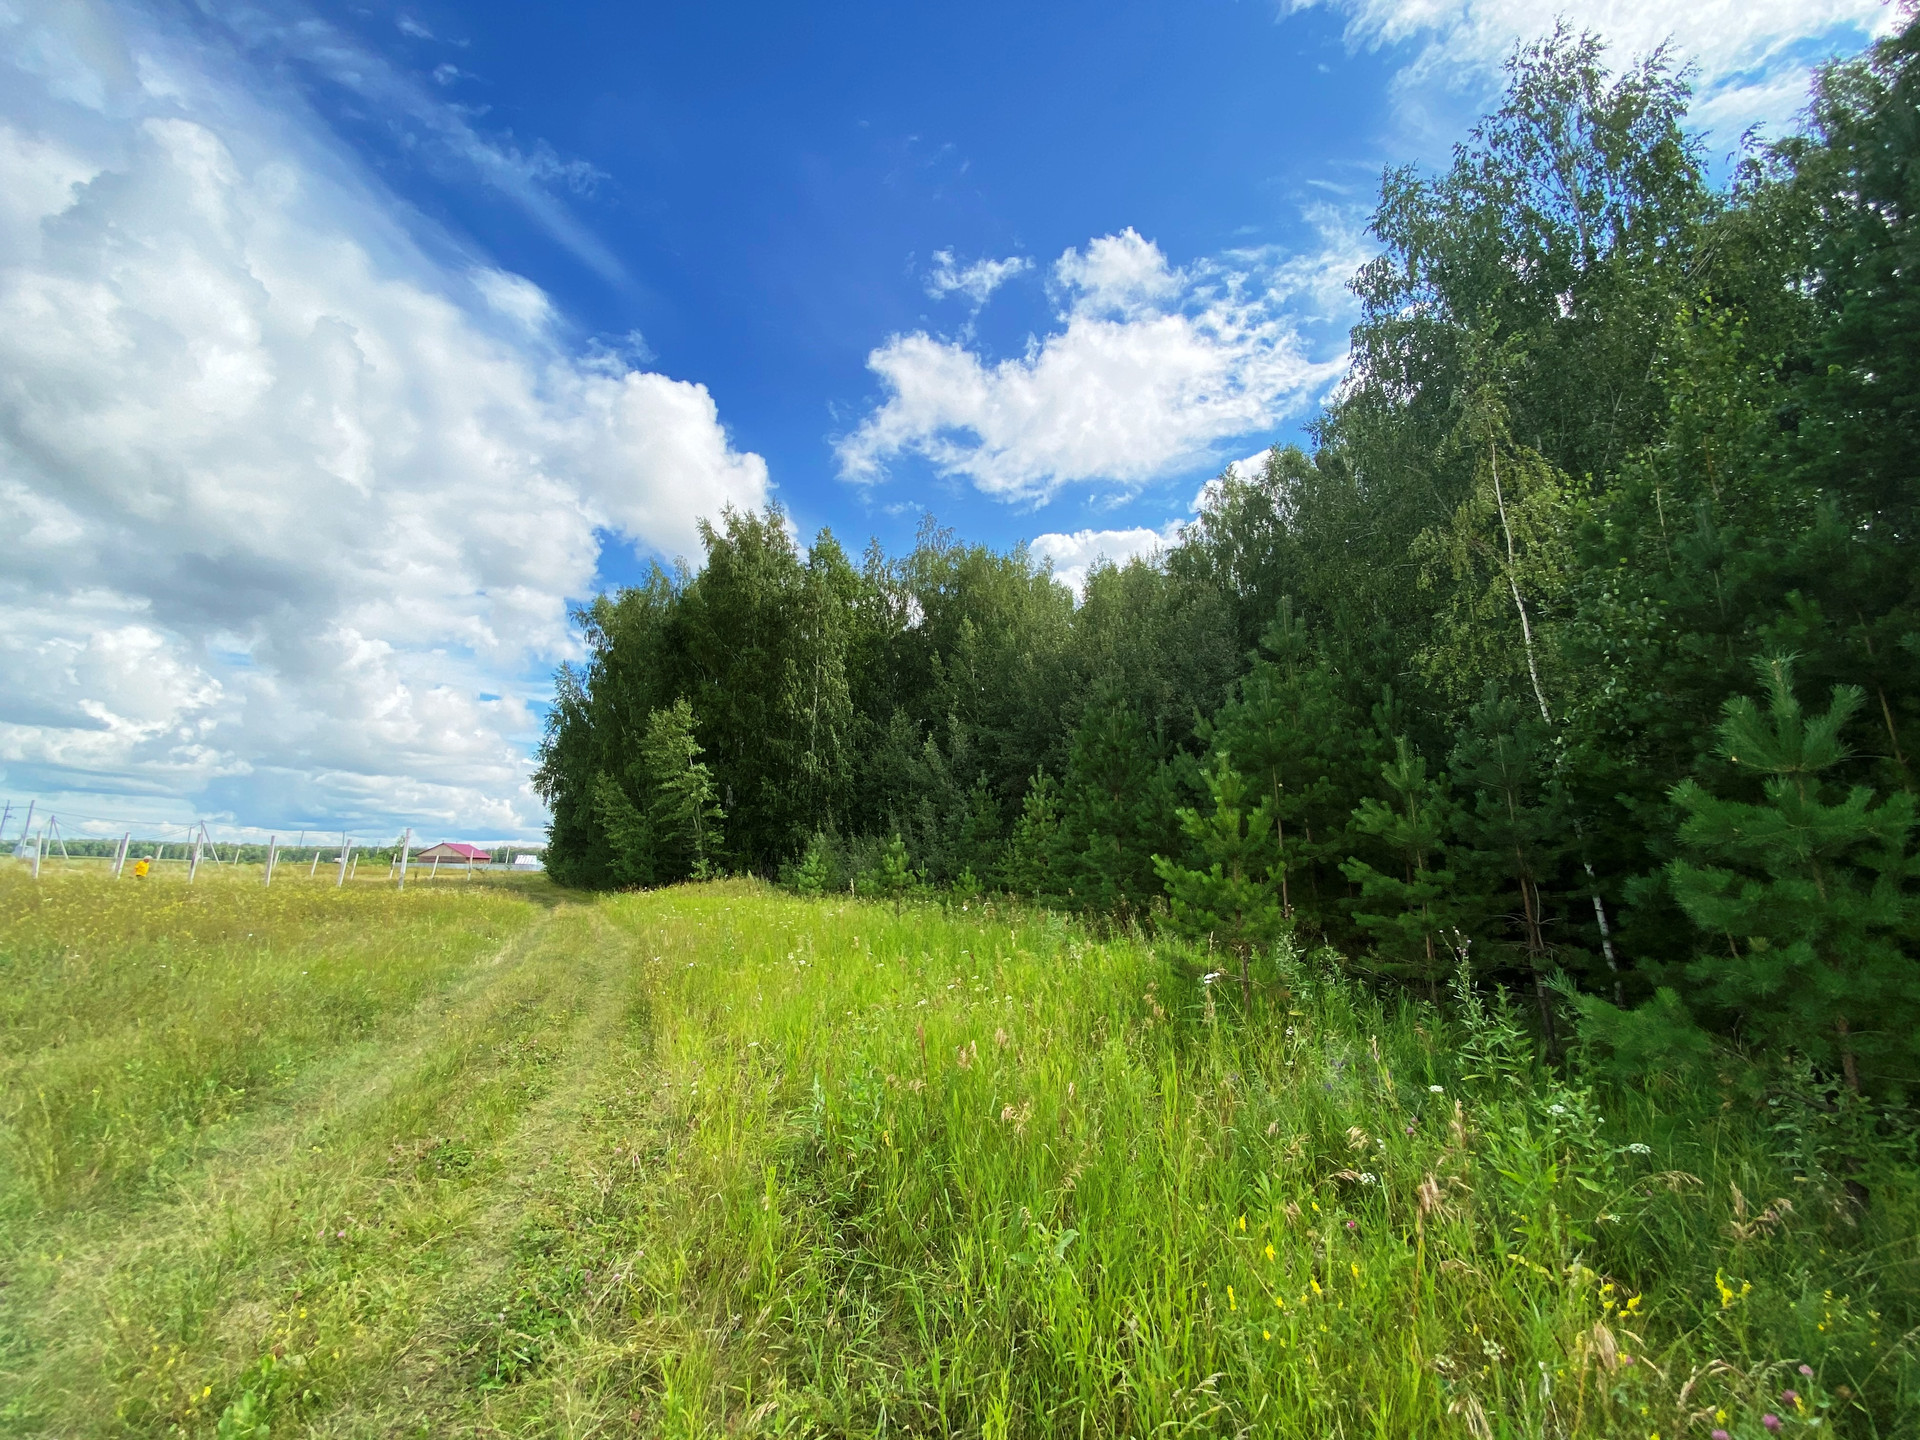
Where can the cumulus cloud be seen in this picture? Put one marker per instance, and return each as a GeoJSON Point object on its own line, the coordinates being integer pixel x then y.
{"type": "Point", "coordinates": [1075, 554]}
{"type": "Point", "coordinates": [1153, 367]}
{"type": "Point", "coordinates": [297, 505]}
{"type": "Point", "coordinates": [1753, 55]}
{"type": "Point", "coordinates": [976, 281]}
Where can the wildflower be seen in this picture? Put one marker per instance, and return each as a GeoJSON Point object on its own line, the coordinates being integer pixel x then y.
{"type": "Point", "coordinates": [1352, 1226]}
{"type": "Point", "coordinates": [1771, 1421]}
{"type": "Point", "coordinates": [1270, 1253]}
{"type": "Point", "coordinates": [1556, 1109]}
{"type": "Point", "coordinates": [1243, 1224]}
{"type": "Point", "coordinates": [1355, 1267]}
{"type": "Point", "coordinates": [1807, 1370]}
{"type": "Point", "coordinates": [1720, 1417]}
{"type": "Point", "coordinates": [1436, 1089]}
{"type": "Point", "coordinates": [1719, 1435]}
{"type": "Point", "coordinates": [1789, 1397]}
{"type": "Point", "coordinates": [1367, 1177]}
{"type": "Point", "coordinates": [1230, 1304]}
{"type": "Point", "coordinates": [1638, 1149]}
{"type": "Point", "coordinates": [1266, 1334]}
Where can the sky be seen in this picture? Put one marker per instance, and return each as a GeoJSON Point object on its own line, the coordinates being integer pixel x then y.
{"type": "Point", "coordinates": [343, 348]}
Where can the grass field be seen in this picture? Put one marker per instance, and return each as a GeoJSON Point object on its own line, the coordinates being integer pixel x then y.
{"type": "Point", "coordinates": [489, 1157]}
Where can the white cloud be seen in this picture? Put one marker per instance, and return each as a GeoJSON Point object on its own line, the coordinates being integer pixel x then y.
{"type": "Point", "coordinates": [976, 281]}
{"type": "Point", "coordinates": [1754, 56]}
{"type": "Point", "coordinates": [297, 505]}
{"type": "Point", "coordinates": [1153, 368]}
{"type": "Point", "coordinates": [1074, 555]}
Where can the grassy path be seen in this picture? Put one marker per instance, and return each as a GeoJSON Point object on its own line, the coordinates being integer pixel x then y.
{"type": "Point", "coordinates": [353, 1223]}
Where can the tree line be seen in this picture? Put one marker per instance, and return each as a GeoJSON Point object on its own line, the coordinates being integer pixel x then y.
{"type": "Point", "coordinates": [1581, 645]}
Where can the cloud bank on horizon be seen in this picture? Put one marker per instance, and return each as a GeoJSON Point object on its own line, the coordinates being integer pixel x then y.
{"type": "Point", "coordinates": [298, 505]}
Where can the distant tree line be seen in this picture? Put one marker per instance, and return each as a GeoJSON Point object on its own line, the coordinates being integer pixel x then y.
{"type": "Point", "coordinates": [1582, 644]}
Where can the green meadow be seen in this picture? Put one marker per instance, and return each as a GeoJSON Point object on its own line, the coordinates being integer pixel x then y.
{"type": "Point", "coordinates": [492, 1157]}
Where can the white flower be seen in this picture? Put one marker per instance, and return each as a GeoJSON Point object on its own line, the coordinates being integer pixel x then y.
{"type": "Point", "coordinates": [1210, 977]}
{"type": "Point", "coordinates": [1638, 1149]}
{"type": "Point", "coordinates": [1436, 1089]}
{"type": "Point", "coordinates": [1556, 1109]}
{"type": "Point", "coordinates": [1367, 1177]}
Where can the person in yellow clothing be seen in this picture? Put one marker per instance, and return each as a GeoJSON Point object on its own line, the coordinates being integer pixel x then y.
{"type": "Point", "coordinates": [140, 869]}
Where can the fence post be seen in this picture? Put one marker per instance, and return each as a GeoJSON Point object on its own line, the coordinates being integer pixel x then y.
{"type": "Point", "coordinates": [406, 843]}
{"type": "Point", "coordinates": [345, 846]}
{"type": "Point", "coordinates": [273, 845]}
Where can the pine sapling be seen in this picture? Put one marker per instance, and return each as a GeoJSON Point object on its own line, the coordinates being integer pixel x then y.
{"type": "Point", "coordinates": [1809, 894]}
{"type": "Point", "coordinates": [1233, 901]}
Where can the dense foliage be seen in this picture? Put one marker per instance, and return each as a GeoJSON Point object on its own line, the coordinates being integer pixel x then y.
{"type": "Point", "coordinates": [1620, 449]}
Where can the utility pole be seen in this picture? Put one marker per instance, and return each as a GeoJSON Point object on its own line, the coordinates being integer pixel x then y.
{"type": "Point", "coordinates": [344, 847]}
{"type": "Point", "coordinates": [273, 846]}
{"type": "Point", "coordinates": [406, 843]}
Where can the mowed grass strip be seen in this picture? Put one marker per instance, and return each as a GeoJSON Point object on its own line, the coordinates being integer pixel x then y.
{"type": "Point", "coordinates": [715, 1160]}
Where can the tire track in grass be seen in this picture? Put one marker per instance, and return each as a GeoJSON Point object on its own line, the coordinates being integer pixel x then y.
{"type": "Point", "coordinates": [324, 1226]}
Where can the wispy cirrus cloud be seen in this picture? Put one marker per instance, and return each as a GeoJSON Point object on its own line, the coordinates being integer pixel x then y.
{"type": "Point", "coordinates": [976, 281]}
{"type": "Point", "coordinates": [1151, 368]}
{"type": "Point", "coordinates": [287, 38]}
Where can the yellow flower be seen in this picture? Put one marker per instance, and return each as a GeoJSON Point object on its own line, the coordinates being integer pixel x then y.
{"type": "Point", "coordinates": [1316, 1206]}
{"type": "Point", "coordinates": [1719, 1417]}
{"type": "Point", "coordinates": [1316, 1286]}
{"type": "Point", "coordinates": [1270, 1252]}
{"type": "Point", "coordinates": [1243, 1224]}
{"type": "Point", "coordinates": [1230, 1304]}
{"type": "Point", "coordinates": [1279, 1302]}
{"type": "Point", "coordinates": [1355, 1267]}
{"type": "Point", "coordinates": [1266, 1334]}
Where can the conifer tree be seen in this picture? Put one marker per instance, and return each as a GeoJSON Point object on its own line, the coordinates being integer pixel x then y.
{"type": "Point", "coordinates": [1116, 810]}
{"type": "Point", "coordinates": [1234, 902]}
{"type": "Point", "coordinates": [1413, 915]}
{"type": "Point", "coordinates": [1033, 852]}
{"type": "Point", "coordinates": [1515, 829]}
{"type": "Point", "coordinates": [1299, 747]}
{"type": "Point", "coordinates": [1809, 895]}
{"type": "Point", "coordinates": [895, 878]}
{"type": "Point", "coordinates": [628, 836]}
{"type": "Point", "coordinates": [684, 817]}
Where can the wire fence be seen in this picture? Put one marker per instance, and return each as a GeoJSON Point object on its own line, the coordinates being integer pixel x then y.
{"type": "Point", "coordinates": [142, 847]}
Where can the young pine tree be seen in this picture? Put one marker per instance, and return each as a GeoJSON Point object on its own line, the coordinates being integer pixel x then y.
{"type": "Point", "coordinates": [683, 814]}
{"type": "Point", "coordinates": [1234, 902]}
{"type": "Point", "coordinates": [1811, 891]}
{"type": "Point", "coordinates": [1515, 828]}
{"type": "Point", "coordinates": [895, 878]}
{"type": "Point", "coordinates": [1116, 808]}
{"type": "Point", "coordinates": [1414, 914]}
{"type": "Point", "coordinates": [1300, 748]}
{"type": "Point", "coordinates": [1033, 852]}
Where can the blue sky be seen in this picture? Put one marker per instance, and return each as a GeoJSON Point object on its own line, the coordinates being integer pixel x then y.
{"type": "Point", "coordinates": [341, 347]}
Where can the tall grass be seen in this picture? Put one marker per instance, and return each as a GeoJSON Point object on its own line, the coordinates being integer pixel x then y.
{"type": "Point", "coordinates": [716, 1161]}
{"type": "Point", "coordinates": [974, 1172]}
